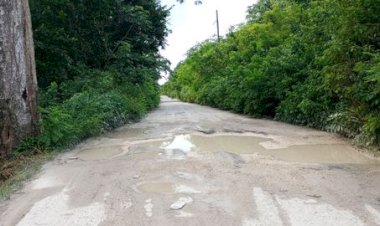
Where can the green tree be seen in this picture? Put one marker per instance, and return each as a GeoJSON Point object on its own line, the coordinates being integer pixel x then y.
{"type": "Point", "coordinates": [310, 62]}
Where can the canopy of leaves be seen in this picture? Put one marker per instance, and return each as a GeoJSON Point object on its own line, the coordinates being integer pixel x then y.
{"type": "Point", "coordinates": [97, 34]}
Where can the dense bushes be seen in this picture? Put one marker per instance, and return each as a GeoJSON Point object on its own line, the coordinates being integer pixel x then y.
{"type": "Point", "coordinates": [90, 113]}
{"type": "Point", "coordinates": [97, 66]}
{"type": "Point", "coordinates": [314, 63]}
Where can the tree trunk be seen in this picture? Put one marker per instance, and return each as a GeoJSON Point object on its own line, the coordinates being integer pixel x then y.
{"type": "Point", "coordinates": [18, 82]}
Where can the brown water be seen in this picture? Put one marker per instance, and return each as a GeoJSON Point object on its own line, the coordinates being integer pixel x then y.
{"type": "Point", "coordinates": [102, 153]}
{"type": "Point", "coordinates": [196, 145]}
{"type": "Point", "coordinates": [133, 149]}
{"type": "Point", "coordinates": [322, 153]}
{"type": "Point", "coordinates": [148, 149]}
{"type": "Point", "coordinates": [242, 144]}
{"type": "Point", "coordinates": [238, 144]}
{"type": "Point", "coordinates": [157, 187]}
{"type": "Point", "coordinates": [166, 187]}
{"type": "Point", "coordinates": [126, 133]}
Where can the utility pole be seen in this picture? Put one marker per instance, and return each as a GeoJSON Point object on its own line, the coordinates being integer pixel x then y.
{"type": "Point", "coordinates": [217, 25]}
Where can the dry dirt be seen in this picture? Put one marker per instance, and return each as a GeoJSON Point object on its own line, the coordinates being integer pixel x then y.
{"type": "Point", "coordinates": [186, 164]}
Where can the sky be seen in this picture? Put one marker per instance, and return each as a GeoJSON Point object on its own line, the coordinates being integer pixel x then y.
{"type": "Point", "coordinates": [191, 24]}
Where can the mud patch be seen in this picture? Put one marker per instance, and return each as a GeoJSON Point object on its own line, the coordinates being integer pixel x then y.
{"type": "Point", "coordinates": [317, 153]}
{"type": "Point", "coordinates": [245, 144]}
{"type": "Point", "coordinates": [165, 188]}
{"type": "Point", "coordinates": [322, 153]}
{"type": "Point", "coordinates": [183, 146]}
{"type": "Point", "coordinates": [157, 187]}
{"type": "Point", "coordinates": [146, 149]}
{"type": "Point", "coordinates": [126, 133]}
{"type": "Point", "coordinates": [235, 144]}
{"type": "Point", "coordinates": [102, 153]}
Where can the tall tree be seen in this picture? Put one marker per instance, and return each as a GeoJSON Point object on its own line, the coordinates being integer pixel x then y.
{"type": "Point", "coordinates": [18, 82]}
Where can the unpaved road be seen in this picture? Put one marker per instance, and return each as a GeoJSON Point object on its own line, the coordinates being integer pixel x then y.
{"type": "Point", "coordinates": [185, 164]}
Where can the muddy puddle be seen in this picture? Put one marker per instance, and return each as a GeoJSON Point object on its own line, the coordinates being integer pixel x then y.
{"type": "Point", "coordinates": [126, 133]}
{"type": "Point", "coordinates": [195, 145]}
{"type": "Point", "coordinates": [237, 144]}
{"type": "Point", "coordinates": [132, 149]}
{"type": "Point", "coordinates": [102, 153]}
{"type": "Point", "coordinates": [183, 146]}
{"type": "Point", "coordinates": [311, 153]}
{"type": "Point", "coordinates": [157, 187]}
{"type": "Point", "coordinates": [145, 149]}
{"type": "Point", "coordinates": [166, 187]}
{"type": "Point", "coordinates": [322, 153]}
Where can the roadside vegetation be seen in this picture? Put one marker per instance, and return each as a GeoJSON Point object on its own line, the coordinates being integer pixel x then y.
{"type": "Point", "coordinates": [97, 68]}
{"type": "Point", "coordinates": [313, 62]}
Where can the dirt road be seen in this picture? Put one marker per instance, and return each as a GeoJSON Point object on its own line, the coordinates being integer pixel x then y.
{"type": "Point", "coordinates": [186, 164]}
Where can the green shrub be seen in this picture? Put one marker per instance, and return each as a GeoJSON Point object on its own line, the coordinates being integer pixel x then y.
{"type": "Point", "coordinates": [91, 113]}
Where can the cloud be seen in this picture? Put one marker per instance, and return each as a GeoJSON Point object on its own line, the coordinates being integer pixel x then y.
{"type": "Point", "coordinates": [192, 24]}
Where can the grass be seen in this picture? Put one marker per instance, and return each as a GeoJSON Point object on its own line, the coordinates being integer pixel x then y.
{"type": "Point", "coordinates": [15, 171]}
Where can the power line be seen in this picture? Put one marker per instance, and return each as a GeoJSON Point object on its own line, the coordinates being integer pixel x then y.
{"type": "Point", "coordinates": [217, 25]}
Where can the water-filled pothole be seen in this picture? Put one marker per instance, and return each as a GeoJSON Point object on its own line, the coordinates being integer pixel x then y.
{"type": "Point", "coordinates": [102, 153]}
{"type": "Point", "coordinates": [145, 149]}
{"type": "Point", "coordinates": [310, 153]}
{"type": "Point", "coordinates": [183, 146]}
{"type": "Point", "coordinates": [126, 133]}
{"type": "Point", "coordinates": [166, 187]}
{"type": "Point", "coordinates": [232, 143]}
{"type": "Point", "coordinates": [157, 187]}
{"type": "Point", "coordinates": [322, 153]}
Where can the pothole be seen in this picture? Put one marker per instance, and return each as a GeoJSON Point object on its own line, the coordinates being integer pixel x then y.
{"type": "Point", "coordinates": [148, 149]}
{"type": "Point", "coordinates": [126, 133]}
{"type": "Point", "coordinates": [166, 187]}
{"type": "Point", "coordinates": [237, 144]}
{"type": "Point", "coordinates": [183, 146]}
{"type": "Point", "coordinates": [102, 153]}
{"type": "Point", "coordinates": [157, 187]}
{"type": "Point", "coordinates": [322, 153]}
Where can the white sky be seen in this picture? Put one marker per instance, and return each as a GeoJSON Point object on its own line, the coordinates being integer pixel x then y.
{"type": "Point", "coordinates": [191, 24]}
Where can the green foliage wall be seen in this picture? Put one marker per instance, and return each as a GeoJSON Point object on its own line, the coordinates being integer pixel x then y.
{"type": "Point", "coordinates": [97, 65]}
{"type": "Point", "coordinates": [313, 62]}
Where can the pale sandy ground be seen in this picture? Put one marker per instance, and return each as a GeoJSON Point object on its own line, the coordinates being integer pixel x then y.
{"type": "Point", "coordinates": [186, 164]}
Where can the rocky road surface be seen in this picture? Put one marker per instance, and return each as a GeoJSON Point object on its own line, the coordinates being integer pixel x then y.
{"type": "Point", "coordinates": [186, 164]}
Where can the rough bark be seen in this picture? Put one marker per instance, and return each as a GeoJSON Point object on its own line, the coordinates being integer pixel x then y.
{"type": "Point", "coordinates": [18, 82]}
